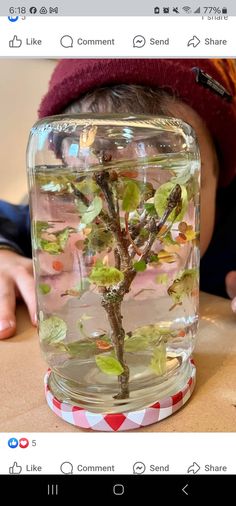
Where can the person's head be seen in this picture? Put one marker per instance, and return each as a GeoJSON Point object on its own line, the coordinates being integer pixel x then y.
{"type": "Point", "coordinates": [118, 89]}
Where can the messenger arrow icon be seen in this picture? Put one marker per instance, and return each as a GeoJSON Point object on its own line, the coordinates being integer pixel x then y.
{"type": "Point", "coordinates": [194, 41]}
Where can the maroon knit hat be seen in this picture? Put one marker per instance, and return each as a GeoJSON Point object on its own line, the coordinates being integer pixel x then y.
{"type": "Point", "coordinates": [208, 86]}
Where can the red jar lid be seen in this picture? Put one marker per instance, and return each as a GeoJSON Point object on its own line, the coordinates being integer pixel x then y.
{"type": "Point", "coordinates": [129, 420]}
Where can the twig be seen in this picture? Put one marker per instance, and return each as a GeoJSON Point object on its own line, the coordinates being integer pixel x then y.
{"type": "Point", "coordinates": [80, 195]}
{"type": "Point", "coordinates": [102, 179]}
{"type": "Point", "coordinates": [117, 258]}
{"type": "Point", "coordinates": [136, 249]}
{"type": "Point", "coordinates": [113, 296]}
{"type": "Point", "coordinates": [113, 310]}
{"type": "Point", "coordinates": [113, 221]}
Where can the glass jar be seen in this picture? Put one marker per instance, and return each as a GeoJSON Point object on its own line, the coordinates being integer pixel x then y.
{"type": "Point", "coordinates": [115, 234]}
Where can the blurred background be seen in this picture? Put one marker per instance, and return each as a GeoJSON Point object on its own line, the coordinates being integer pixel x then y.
{"type": "Point", "coordinates": [22, 84]}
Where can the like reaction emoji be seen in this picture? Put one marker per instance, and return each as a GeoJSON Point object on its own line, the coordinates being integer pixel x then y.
{"type": "Point", "coordinates": [12, 442]}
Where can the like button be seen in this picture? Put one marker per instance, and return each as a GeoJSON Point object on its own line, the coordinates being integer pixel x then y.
{"type": "Point", "coordinates": [15, 469]}
{"type": "Point", "coordinates": [15, 42]}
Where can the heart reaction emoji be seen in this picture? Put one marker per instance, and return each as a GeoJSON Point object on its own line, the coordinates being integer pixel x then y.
{"type": "Point", "coordinates": [23, 442]}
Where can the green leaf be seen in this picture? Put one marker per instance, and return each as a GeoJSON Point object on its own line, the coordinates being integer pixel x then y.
{"type": "Point", "coordinates": [134, 218]}
{"type": "Point", "coordinates": [146, 189]}
{"type": "Point", "coordinates": [87, 186]}
{"type": "Point", "coordinates": [168, 240]}
{"type": "Point", "coordinates": [72, 292]}
{"type": "Point", "coordinates": [41, 226]}
{"type": "Point", "coordinates": [193, 187]}
{"type": "Point", "coordinates": [150, 208]}
{"type": "Point", "coordinates": [85, 317]}
{"type": "Point", "coordinates": [99, 263]}
{"type": "Point", "coordinates": [92, 211]}
{"type": "Point", "coordinates": [144, 233]}
{"type": "Point", "coordinates": [183, 285]}
{"type": "Point", "coordinates": [158, 361]}
{"type": "Point", "coordinates": [38, 227]}
{"type": "Point", "coordinates": [161, 198]}
{"type": "Point", "coordinates": [140, 266]}
{"type": "Point", "coordinates": [109, 365]}
{"type": "Point", "coordinates": [151, 333]}
{"type": "Point", "coordinates": [118, 188]}
{"type": "Point", "coordinates": [52, 187]}
{"type": "Point", "coordinates": [80, 206]}
{"type": "Point", "coordinates": [62, 237]}
{"type": "Point", "coordinates": [136, 343]}
{"type": "Point", "coordinates": [131, 197]}
{"type": "Point", "coordinates": [99, 238]}
{"type": "Point", "coordinates": [105, 276]}
{"type": "Point", "coordinates": [53, 248]}
{"type": "Point", "coordinates": [80, 348]}
{"type": "Point", "coordinates": [147, 337]}
{"type": "Point", "coordinates": [153, 258]}
{"type": "Point", "coordinates": [44, 288]}
{"type": "Point", "coordinates": [55, 181]}
{"type": "Point", "coordinates": [162, 279]}
{"type": "Point", "coordinates": [182, 175]}
{"type": "Point", "coordinates": [80, 324]}
{"type": "Point", "coordinates": [57, 246]}
{"type": "Point", "coordinates": [52, 330]}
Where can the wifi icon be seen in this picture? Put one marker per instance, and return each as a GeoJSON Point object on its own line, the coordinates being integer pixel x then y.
{"type": "Point", "coordinates": [186, 9]}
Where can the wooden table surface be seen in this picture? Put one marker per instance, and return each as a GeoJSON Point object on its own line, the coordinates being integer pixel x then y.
{"type": "Point", "coordinates": [212, 406]}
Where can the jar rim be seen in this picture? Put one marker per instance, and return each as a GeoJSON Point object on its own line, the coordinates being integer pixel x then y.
{"type": "Point", "coordinates": [156, 122]}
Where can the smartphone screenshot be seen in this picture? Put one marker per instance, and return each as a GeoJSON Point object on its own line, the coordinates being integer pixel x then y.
{"type": "Point", "coordinates": [117, 249]}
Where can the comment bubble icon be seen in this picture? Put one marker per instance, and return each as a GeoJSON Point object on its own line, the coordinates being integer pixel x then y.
{"type": "Point", "coordinates": [66, 41]}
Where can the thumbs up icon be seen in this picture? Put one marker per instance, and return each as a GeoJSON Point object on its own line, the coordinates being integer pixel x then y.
{"type": "Point", "coordinates": [15, 42]}
{"type": "Point", "coordinates": [15, 469]}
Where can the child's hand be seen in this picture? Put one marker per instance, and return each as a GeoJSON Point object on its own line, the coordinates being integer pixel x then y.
{"type": "Point", "coordinates": [16, 281]}
{"type": "Point", "coordinates": [230, 282]}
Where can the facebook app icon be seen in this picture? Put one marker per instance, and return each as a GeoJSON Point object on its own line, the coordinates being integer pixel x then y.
{"type": "Point", "coordinates": [13, 442]}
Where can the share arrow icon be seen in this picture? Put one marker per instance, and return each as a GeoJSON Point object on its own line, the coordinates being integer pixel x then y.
{"type": "Point", "coordinates": [194, 468]}
{"type": "Point", "coordinates": [194, 41]}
